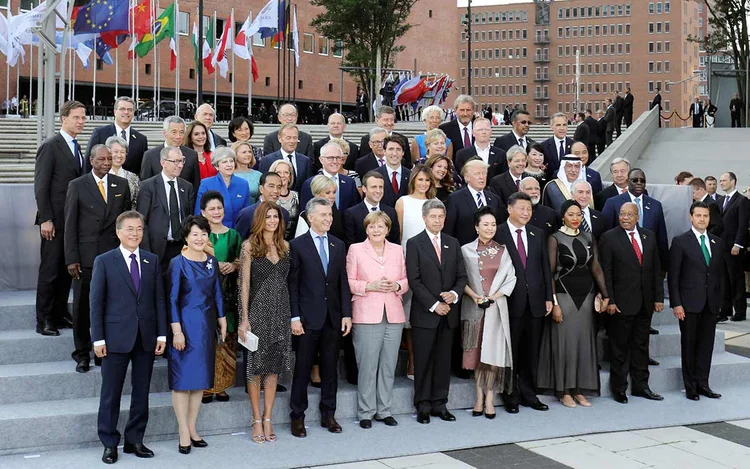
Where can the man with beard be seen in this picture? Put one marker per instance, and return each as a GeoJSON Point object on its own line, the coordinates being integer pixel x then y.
{"type": "Point", "coordinates": [558, 190]}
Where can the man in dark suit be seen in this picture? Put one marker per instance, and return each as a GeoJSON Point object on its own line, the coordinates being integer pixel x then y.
{"type": "Point", "coordinates": [610, 117]}
{"type": "Point", "coordinates": [558, 145]}
{"type": "Point", "coordinates": [696, 281]}
{"type": "Point", "coordinates": [593, 221]}
{"type": "Point", "coordinates": [735, 110]}
{"type": "Point", "coordinates": [461, 205]}
{"type": "Point", "coordinates": [735, 210]}
{"type": "Point", "coordinates": [346, 189]}
{"type": "Point", "coordinates": [288, 116]}
{"type": "Point", "coordinates": [460, 130]}
{"type": "Point", "coordinates": [205, 114]}
{"type": "Point", "coordinates": [93, 203]}
{"type": "Point", "coordinates": [530, 301]}
{"type": "Point", "coordinates": [632, 273]}
{"type": "Point", "coordinates": [696, 112]}
{"type": "Point", "coordinates": [336, 128]}
{"type": "Point", "coordinates": [650, 212]}
{"type": "Point", "coordinates": [656, 103]}
{"type": "Point", "coordinates": [137, 142]}
{"type": "Point", "coordinates": [593, 177]}
{"type": "Point", "coordinates": [164, 201]}
{"type": "Point", "coordinates": [619, 168]}
{"type": "Point", "coordinates": [58, 161]}
{"type": "Point", "coordinates": [437, 277]}
{"type": "Point", "coordinates": [493, 156]}
{"type": "Point", "coordinates": [593, 134]}
{"type": "Point", "coordinates": [619, 105]}
{"type": "Point", "coordinates": [321, 313]}
{"type": "Point", "coordinates": [373, 186]}
{"type": "Point", "coordinates": [270, 190]}
{"type": "Point", "coordinates": [542, 216]}
{"type": "Point", "coordinates": [376, 157]}
{"type": "Point", "coordinates": [715, 221]}
{"type": "Point", "coordinates": [128, 326]}
{"type": "Point", "coordinates": [174, 131]}
{"type": "Point", "coordinates": [582, 132]}
{"type": "Point", "coordinates": [509, 182]}
{"type": "Point", "coordinates": [301, 164]}
{"type": "Point", "coordinates": [601, 144]}
{"type": "Point", "coordinates": [386, 120]}
{"type": "Point", "coordinates": [395, 174]}
{"type": "Point", "coordinates": [627, 109]}
{"type": "Point", "coordinates": [711, 185]}
{"type": "Point", "coordinates": [521, 122]}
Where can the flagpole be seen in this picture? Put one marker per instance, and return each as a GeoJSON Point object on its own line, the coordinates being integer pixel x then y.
{"type": "Point", "coordinates": [294, 80]}
{"type": "Point", "coordinates": [31, 75]}
{"type": "Point", "coordinates": [131, 27]}
{"type": "Point", "coordinates": [64, 53]}
{"type": "Point", "coordinates": [199, 46]}
{"type": "Point", "coordinates": [176, 29]}
{"type": "Point", "coordinates": [249, 44]}
{"type": "Point", "coordinates": [117, 72]}
{"type": "Point", "coordinates": [216, 106]}
{"type": "Point", "coordinates": [93, 96]}
{"type": "Point", "coordinates": [158, 69]}
{"type": "Point", "coordinates": [155, 77]}
{"type": "Point", "coordinates": [231, 38]}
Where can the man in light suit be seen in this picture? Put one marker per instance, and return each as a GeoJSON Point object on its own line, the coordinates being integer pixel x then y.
{"type": "Point", "coordinates": [93, 203]}
{"type": "Point", "coordinates": [173, 130]}
{"type": "Point", "coordinates": [137, 142]}
{"type": "Point", "coordinates": [128, 326]}
{"type": "Point", "coordinates": [288, 116]}
{"type": "Point", "coordinates": [165, 200]}
{"type": "Point", "coordinates": [493, 156]}
{"type": "Point", "coordinates": [336, 128]}
{"type": "Point", "coordinates": [558, 145]}
{"type": "Point", "coordinates": [58, 161]}
{"type": "Point", "coordinates": [521, 121]}
{"type": "Point", "coordinates": [735, 210]}
{"type": "Point", "coordinates": [696, 112]}
{"type": "Point", "coordinates": [321, 313]}
{"type": "Point", "coordinates": [696, 281]}
{"type": "Point", "coordinates": [437, 277]}
{"type": "Point", "coordinates": [632, 273]}
{"type": "Point", "coordinates": [331, 158]}
{"type": "Point", "coordinates": [460, 130]}
{"type": "Point", "coordinates": [205, 115]}
{"type": "Point", "coordinates": [288, 136]}
{"type": "Point", "coordinates": [373, 186]}
{"type": "Point", "coordinates": [509, 182]}
{"type": "Point", "coordinates": [395, 174]}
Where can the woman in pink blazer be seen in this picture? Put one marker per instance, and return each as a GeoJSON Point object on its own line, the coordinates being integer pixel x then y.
{"type": "Point", "coordinates": [377, 279]}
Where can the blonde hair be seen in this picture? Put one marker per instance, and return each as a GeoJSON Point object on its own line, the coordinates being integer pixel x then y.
{"type": "Point", "coordinates": [373, 217]}
{"type": "Point", "coordinates": [278, 163]}
{"type": "Point", "coordinates": [433, 135]}
{"type": "Point", "coordinates": [321, 183]}
{"type": "Point", "coordinates": [236, 146]}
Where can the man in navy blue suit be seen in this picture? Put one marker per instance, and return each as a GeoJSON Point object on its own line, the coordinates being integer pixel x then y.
{"type": "Point", "coordinates": [137, 142]}
{"type": "Point", "coordinates": [593, 177]}
{"type": "Point", "coordinates": [321, 313]}
{"type": "Point", "coordinates": [128, 325]}
{"type": "Point", "coordinates": [331, 158]}
{"type": "Point", "coordinates": [373, 185]}
{"type": "Point", "coordinates": [395, 174]}
{"type": "Point", "coordinates": [301, 164]}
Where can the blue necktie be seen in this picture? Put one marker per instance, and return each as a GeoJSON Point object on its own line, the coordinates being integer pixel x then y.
{"type": "Point", "coordinates": [640, 211]}
{"type": "Point", "coordinates": [480, 203]}
{"type": "Point", "coordinates": [77, 153]}
{"type": "Point", "coordinates": [323, 255]}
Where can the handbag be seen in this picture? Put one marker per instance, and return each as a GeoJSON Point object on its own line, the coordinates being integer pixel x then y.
{"type": "Point", "coordinates": [251, 343]}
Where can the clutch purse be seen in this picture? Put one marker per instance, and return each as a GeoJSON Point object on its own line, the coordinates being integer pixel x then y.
{"type": "Point", "coordinates": [598, 304]}
{"type": "Point", "coordinates": [251, 343]}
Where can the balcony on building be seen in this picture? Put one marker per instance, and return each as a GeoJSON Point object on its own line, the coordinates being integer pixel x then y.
{"type": "Point", "coordinates": [541, 39]}
{"type": "Point", "coordinates": [541, 97]}
{"type": "Point", "coordinates": [541, 77]}
{"type": "Point", "coordinates": [541, 58]}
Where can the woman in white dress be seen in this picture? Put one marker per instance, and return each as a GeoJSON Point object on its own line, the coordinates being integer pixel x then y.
{"type": "Point", "coordinates": [409, 211]}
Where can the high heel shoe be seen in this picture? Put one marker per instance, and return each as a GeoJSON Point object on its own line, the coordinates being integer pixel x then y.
{"type": "Point", "coordinates": [476, 413]}
{"type": "Point", "coordinates": [199, 443]}
{"type": "Point", "coordinates": [258, 439]}
{"type": "Point", "coordinates": [184, 449]}
{"type": "Point", "coordinates": [271, 437]}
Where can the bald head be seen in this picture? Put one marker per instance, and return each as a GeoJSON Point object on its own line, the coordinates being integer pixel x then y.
{"type": "Point", "coordinates": [628, 216]}
{"type": "Point", "coordinates": [287, 114]}
{"type": "Point", "coordinates": [205, 115]}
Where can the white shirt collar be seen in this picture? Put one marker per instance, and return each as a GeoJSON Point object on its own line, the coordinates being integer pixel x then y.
{"type": "Point", "coordinates": [432, 235]}
{"type": "Point", "coordinates": [634, 230]}
{"type": "Point", "coordinates": [68, 138]}
{"type": "Point", "coordinates": [461, 127]}
{"type": "Point", "coordinates": [730, 194]}
{"type": "Point", "coordinates": [559, 141]}
{"type": "Point", "coordinates": [633, 197]}
{"type": "Point", "coordinates": [474, 193]}
{"type": "Point", "coordinates": [165, 178]}
{"type": "Point", "coordinates": [513, 227]}
{"type": "Point", "coordinates": [483, 150]}
{"type": "Point", "coordinates": [126, 254]}
{"type": "Point", "coordinates": [392, 170]}
{"type": "Point", "coordinates": [698, 235]}
{"type": "Point", "coordinates": [370, 207]}
{"type": "Point", "coordinates": [329, 176]}
{"type": "Point", "coordinates": [97, 179]}
{"type": "Point", "coordinates": [517, 136]}
{"type": "Point", "coordinates": [118, 130]}
{"type": "Point", "coordinates": [285, 154]}
{"type": "Point", "coordinates": [315, 235]}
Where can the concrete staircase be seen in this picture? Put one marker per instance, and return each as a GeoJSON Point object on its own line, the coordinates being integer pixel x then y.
{"type": "Point", "coordinates": [18, 139]}
{"type": "Point", "coordinates": [46, 405]}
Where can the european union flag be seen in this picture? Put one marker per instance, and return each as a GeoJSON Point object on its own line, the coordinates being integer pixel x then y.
{"type": "Point", "coordinates": [99, 16]}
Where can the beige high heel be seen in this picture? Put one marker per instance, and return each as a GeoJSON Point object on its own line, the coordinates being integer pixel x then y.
{"type": "Point", "coordinates": [568, 401]}
{"type": "Point", "coordinates": [259, 439]}
{"type": "Point", "coordinates": [271, 437]}
{"type": "Point", "coordinates": [581, 400]}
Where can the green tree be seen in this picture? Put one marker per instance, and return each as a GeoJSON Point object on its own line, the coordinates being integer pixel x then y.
{"type": "Point", "coordinates": [364, 26]}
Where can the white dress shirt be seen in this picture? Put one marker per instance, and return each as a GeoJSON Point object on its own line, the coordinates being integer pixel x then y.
{"type": "Point", "coordinates": [370, 207]}
{"type": "Point", "coordinates": [557, 149]}
{"type": "Point", "coordinates": [439, 239]}
{"type": "Point", "coordinates": [474, 195]}
{"type": "Point", "coordinates": [518, 137]}
{"type": "Point", "coordinates": [104, 179]}
{"type": "Point", "coordinates": [69, 140]}
{"type": "Point", "coordinates": [118, 132]}
{"type": "Point", "coordinates": [698, 235]}
{"type": "Point", "coordinates": [524, 236]}
{"type": "Point", "coordinates": [168, 190]}
{"type": "Point", "coordinates": [483, 153]}
{"type": "Point", "coordinates": [587, 216]}
{"type": "Point", "coordinates": [390, 175]}
{"type": "Point", "coordinates": [286, 157]}
{"type": "Point", "coordinates": [469, 128]}
{"type": "Point", "coordinates": [637, 238]}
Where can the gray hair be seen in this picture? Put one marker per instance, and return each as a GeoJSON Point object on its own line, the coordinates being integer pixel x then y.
{"type": "Point", "coordinates": [431, 109]}
{"type": "Point", "coordinates": [464, 98]}
{"type": "Point", "coordinates": [514, 150]}
{"type": "Point", "coordinates": [287, 127]}
{"type": "Point", "coordinates": [316, 202]}
{"type": "Point", "coordinates": [337, 114]}
{"type": "Point", "coordinates": [278, 163]}
{"type": "Point", "coordinates": [432, 204]}
{"type": "Point", "coordinates": [573, 186]}
{"type": "Point", "coordinates": [619, 160]}
{"type": "Point", "coordinates": [384, 110]}
{"type": "Point", "coordinates": [96, 148]}
{"type": "Point", "coordinates": [116, 140]}
{"type": "Point", "coordinates": [222, 153]}
{"type": "Point", "coordinates": [172, 120]}
{"type": "Point", "coordinates": [377, 130]}
{"type": "Point", "coordinates": [332, 144]}
{"type": "Point", "coordinates": [167, 150]}
{"type": "Point", "coordinates": [127, 99]}
{"type": "Point", "coordinates": [483, 119]}
{"type": "Point", "coordinates": [527, 179]}
{"type": "Point", "coordinates": [129, 215]}
{"type": "Point", "coordinates": [559, 114]}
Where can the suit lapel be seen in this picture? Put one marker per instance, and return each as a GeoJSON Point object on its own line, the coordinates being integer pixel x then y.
{"type": "Point", "coordinates": [162, 193]}
{"type": "Point", "coordinates": [314, 247]}
{"type": "Point", "coordinates": [65, 149]}
{"type": "Point", "coordinates": [94, 191]}
{"type": "Point", "coordinates": [628, 246]}
{"type": "Point", "coordinates": [427, 245]}
{"type": "Point", "coordinates": [184, 202]}
{"type": "Point", "coordinates": [123, 269]}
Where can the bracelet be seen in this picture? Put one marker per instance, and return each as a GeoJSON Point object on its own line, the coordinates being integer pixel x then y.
{"type": "Point", "coordinates": [178, 332]}
{"type": "Point", "coordinates": [554, 300]}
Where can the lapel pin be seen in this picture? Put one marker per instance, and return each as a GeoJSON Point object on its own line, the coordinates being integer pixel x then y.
{"type": "Point", "coordinates": [713, 241]}
{"type": "Point", "coordinates": [647, 207]}
{"type": "Point", "coordinates": [445, 247]}
{"type": "Point", "coordinates": [594, 216]}
{"type": "Point", "coordinates": [239, 196]}
{"type": "Point", "coordinates": [118, 195]}
{"type": "Point", "coordinates": [549, 224]}
{"type": "Point", "coordinates": [532, 233]}
{"type": "Point", "coordinates": [145, 261]}
{"type": "Point", "coordinates": [643, 236]}
{"type": "Point", "coordinates": [331, 244]}
{"type": "Point", "coordinates": [182, 190]}
{"type": "Point", "coordinates": [113, 185]}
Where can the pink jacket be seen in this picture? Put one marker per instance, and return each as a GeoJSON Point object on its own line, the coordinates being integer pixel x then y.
{"type": "Point", "coordinates": [363, 265]}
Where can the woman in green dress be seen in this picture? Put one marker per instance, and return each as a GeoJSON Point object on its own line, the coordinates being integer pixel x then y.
{"type": "Point", "coordinates": [226, 244]}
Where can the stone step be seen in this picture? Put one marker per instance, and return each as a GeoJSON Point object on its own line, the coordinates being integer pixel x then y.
{"type": "Point", "coordinates": [21, 346]}
{"type": "Point", "coordinates": [664, 344]}
{"type": "Point", "coordinates": [18, 309]}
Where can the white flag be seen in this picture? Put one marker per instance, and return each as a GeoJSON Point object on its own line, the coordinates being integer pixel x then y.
{"type": "Point", "coordinates": [295, 37]}
{"type": "Point", "coordinates": [267, 19]}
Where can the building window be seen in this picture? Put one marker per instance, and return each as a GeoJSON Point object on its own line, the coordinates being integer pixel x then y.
{"type": "Point", "coordinates": [650, 47]}
{"type": "Point", "coordinates": [322, 45]}
{"type": "Point", "coordinates": [666, 66]}
{"type": "Point", "coordinates": [463, 73]}
{"type": "Point", "coordinates": [308, 42]}
{"type": "Point", "coordinates": [147, 69]}
{"type": "Point", "coordinates": [627, 29]}
{"type": "Point", "coordinates": [650, 67]}
{"type": "Point", "coordinates": [666, 47]}
{"type": "Point", "coordinates": [338, 48]}
{"type": "Point", "coordinates": [650, 8]}
{"type": "Point", "coordinates": [666, 6]}
{"type": "Point", "coordinates": [184, 22]}
{"type": "Point", "coordinates": [300, 84]}
{"type": "Point", "coordinates": [658, 8]}
{"type": "Point", "coordinates": [191, 74]}
{"type": "Point", "coordinates": [667, 28]}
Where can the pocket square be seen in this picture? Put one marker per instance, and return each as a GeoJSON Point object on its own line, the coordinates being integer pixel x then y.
{"type": "Point", "coordinates": [118, 195]}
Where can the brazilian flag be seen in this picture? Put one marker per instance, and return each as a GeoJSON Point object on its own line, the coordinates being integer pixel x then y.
{"type": "Point", "coordinates": [163, 27]}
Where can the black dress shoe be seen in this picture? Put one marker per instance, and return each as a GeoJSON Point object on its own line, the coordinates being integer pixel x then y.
{"type": "Point", "coordinates": [692, 395]}
{"type": "Point", "coordinates": [208, 398]}
{"type": "Point", "coordinates": [736, 318]}
{"type": "Point", "coordinates": [315, 384]}
{"type": "Point", "coordinates": [653, 331]}
{"type": "Point", "coordinates": [652, 362]}
{"type": "Point", "coordinates": [365, 423]}
{"type": "Point", "coordinates": [477, 413]}
{"type": "Point", "coordinates": [722, 319]}
{"type": "Point", "coordinates": [423, 417]}
{"type": "Point", "coordinates": [110, 455]}
{"type": "Point", "coordinates": [444, 415]}
{"type": "Point", "coordinates": [538, 405]}
{"type": "Point", "coordinates": [331, 424]}
{"type": "Point", "coordinates": [280, 388]}
{"type": "Point", "coordinates": [708, 393]}
{"type": "Point", "coordinates": [648, 394]}
{"type": "Point", "coordinates": [465, 374]}
{"type": "Point", "coordinates": [46, 328]}
{"type": "Point", "coordinates": [198, 443]}
{"type": "Point", "coordinates": [620, 397]}
{"type": "Point", "coordinates": [138, 449]}
{"type": "Point", "coordinates": [511, 408]}
{"type": "Point", "coordinates": [83, 366]}
{"type": "Point", "coordinates": [97, 361]}
{"type": "Point", "coordinates": [222, 397]}
{"type": "Point", "coordinates": [490, 416]}
{"type": "Point", "coordinates": [65, 323]}
{"type": "Point", "coordinates": [298, 428]}
{"type": "Point", "coordinates": [184, 449]}
{"type": "Point", "coordinates": [389, 421]}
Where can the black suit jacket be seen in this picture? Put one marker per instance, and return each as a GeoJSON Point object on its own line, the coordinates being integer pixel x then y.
{"type": "Point", "coordinates": [389, 196]}
{"type": "Point", "coordinates": [593, 126]}
{"type": "Point", "coordinates": [716, 221]}
{"type": "Point", "coordinates": [607, 193]}
{"type": "Point", "coordinates": [508, 140]}
{"type": "Point", "coordinates": [364, 146]}
{"type": "Point", "coordinates": [304, 144]}
{"type": "Point", "coordinates": [314, 294]}
{"type": "Point", "coordinates": [354, 228]}
{"type": "Point", "coordinates": [619, 105]}
{"type": "Point", "coordinates": [631, 286]}
{"type": "Point", "coordinates": [545, 219]}
{"type": "Point", "coordinates": [582, 133]}
{"type": "Point", "coordinates": [350, 160]}
{"type": "Point", "coordinates": [366, 163]}
{"type": "Point", "coordinates": [533, 283]}
{"type": "Point", "coordinates": [190, 172]}
{"type": "Point", "coordinates": [551, 157]}
{"type": "Point", "coordinates": [628, 104]}
{"type": "Point", "coordinates": [735, 218]}
{"type": "Point", "coordinates": [656, 101]}
{"type": "Point", "coordinates": [153, 205]}
{"type": "Point", "coordinates": [453, 132]}
{"type": "Point", "coordinates": [55, 168]}
{"type": "Point", "coordinates": [599, 224]}
{"type": "Point", "coordinates": [609, 116]}
{"type": "Point", "coordinates": [428, 277]}
{"type": "Point", "coordinates": [498, 160]}
{"type": "Point", "coordinates": [692, 283]}
{"type": "Point", "coordinates": [137, 145]}
{"type": "Point", "coordinates": [89, 221]}
{"type": "Point", "coordinates": [218, 140]}
{"type": "Point", "coordinates": [460, 208]}
{"type": "Point", "coordinates": [504, 186]}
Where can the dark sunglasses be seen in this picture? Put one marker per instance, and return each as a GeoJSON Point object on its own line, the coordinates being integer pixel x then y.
{"type": "Point", "coordinates": [638, 180]}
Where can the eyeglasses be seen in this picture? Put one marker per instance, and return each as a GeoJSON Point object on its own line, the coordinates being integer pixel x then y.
{"type": "Point", "coordinates": [331, 158]}
{"type": "Point", "coordinates": [288, 114]}
{"type": "Point", "coordinates": [125, 109]}
{"type": "Point", "coordinates": [177, 162]}
{"type": "Point", "coordinates": [638, 180]}
{"type": "Point", "coordinates": [377, 142]}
